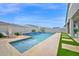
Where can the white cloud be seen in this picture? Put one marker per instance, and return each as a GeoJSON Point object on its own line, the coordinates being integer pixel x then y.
{"type": "Point", "coordinates": [8, 8]}
{"type": "Point", "coordinates": [15, 7]}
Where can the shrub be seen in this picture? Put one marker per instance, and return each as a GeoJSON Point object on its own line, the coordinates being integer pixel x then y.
{"type": "Point", "coordinates": [17, 33]}
{"type": "Point", "coordinates": [33, 30]}
{"type": "Point", "coordinates": [42, 30]}
{"type": "Point", "coordinates": [76, 30]}
{"type": "Point", "coordinates": [1, 35]}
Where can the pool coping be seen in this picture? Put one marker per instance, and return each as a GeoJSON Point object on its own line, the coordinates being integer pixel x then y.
{"type": "Point", "coordinates": [10, 50]}
{"type": "Point", "coordinates": [27, 38]}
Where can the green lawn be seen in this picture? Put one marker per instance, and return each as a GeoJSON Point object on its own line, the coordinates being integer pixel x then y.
{"type": "Point", "coordinates": [65, 52]}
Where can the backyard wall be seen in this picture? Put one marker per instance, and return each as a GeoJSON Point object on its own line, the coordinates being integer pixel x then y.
{"type": "Point", "coordinates": [56, 30]}
{"type": "Point", "coordinates": [7, 27]}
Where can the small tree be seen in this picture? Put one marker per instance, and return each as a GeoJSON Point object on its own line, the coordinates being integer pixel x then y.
{"type": "Point", "coordinates": [33, 30]}
{"type": "Point", "coordinates": [17, 33]}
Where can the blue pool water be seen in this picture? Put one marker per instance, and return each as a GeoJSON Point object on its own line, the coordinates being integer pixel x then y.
{"type": "Point", "coordinates": [25, 44]}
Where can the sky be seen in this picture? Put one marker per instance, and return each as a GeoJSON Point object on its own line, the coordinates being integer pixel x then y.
{"type": "Point", "coordinates": [40, 14]}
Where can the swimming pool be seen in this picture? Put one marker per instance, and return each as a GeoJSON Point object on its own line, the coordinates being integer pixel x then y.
{"type": "Point", "coordinates": [25, 44]}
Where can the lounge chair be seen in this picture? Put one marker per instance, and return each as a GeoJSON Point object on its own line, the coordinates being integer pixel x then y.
{"type": "Point", "coordinates": [4, 34]}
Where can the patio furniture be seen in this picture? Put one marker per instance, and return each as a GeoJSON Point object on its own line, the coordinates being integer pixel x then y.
{"type": "Point", "coordinates": [4, 34]}
{"type": "Point", "coordinates": [9, 36]}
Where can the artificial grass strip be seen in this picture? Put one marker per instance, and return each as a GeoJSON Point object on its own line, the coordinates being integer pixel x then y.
{"type": "Point", "coordinates": [64, 34]}
{"type": "Point", "coordinates": [70, 42]}
{"type": "Point", "coordinates": [66, 37]}
{"type": "Point", "coordinates": [60, 46]}
{"type": "Point", "coordinates": [65, 52]}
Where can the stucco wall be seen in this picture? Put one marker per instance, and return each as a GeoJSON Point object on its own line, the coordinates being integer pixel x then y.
{"type": "Point", "coordinates": [13, 28]}
{"type": "Point", "coordinates": [72, 10]}
{"type": "Point", "coordinates": [6, 27]}
{"type": "Point", "coordinates": [56, 30]}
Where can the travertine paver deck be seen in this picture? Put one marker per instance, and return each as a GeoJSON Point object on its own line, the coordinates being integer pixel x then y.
{"type": "Point", "coordinates": [70, 47]}
{"type": "Point", "coordinates": [48, 47]}
{"type": "Point", "coordinates": [76, 39]}
{"type": "Point", "coordinates": [8, 50]}
{"type": "Point", "coordinates": [67, 40]}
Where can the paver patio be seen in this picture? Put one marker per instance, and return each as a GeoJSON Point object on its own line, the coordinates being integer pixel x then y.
{"type": "Point", "coordinates": [67, 40]}
{"type": "Point", "coordinates": [6, 49]}
{"type": "Point", "coordinates": [47, 47]}
{"type": "Point", "coordinates": [76, 39]}
{"type": "Point", "coordinates": [70, 47]}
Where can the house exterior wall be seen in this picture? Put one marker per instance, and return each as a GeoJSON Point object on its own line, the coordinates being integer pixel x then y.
{"type": "Point", "coordinates": [72, 9]}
